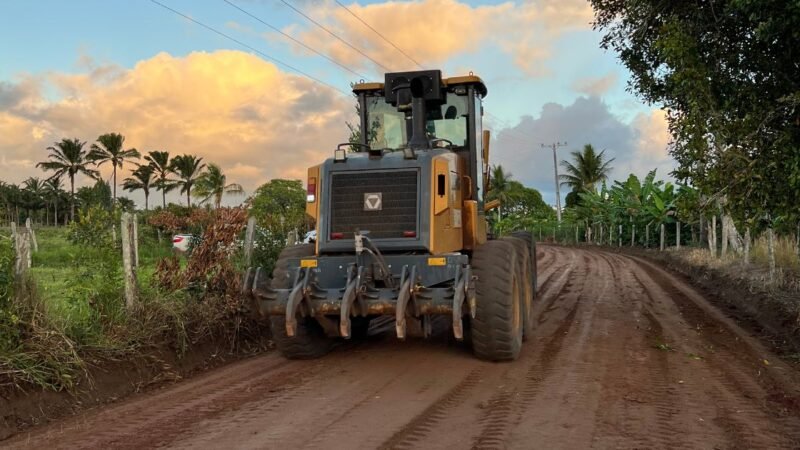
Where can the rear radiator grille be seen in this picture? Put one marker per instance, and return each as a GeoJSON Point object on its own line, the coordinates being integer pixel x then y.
{"type": "Point", "coordinates": [398, 213]}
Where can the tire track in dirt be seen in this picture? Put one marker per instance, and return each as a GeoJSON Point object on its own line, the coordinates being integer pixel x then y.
{"type": "Point", "coordinates": [503, 412]}
{"type": "Point", "coordinates": [415, 431]}
{"type": "Point", "coordinates": [731, 374]}
{"type": "Point", "coordinates": [646, 410]}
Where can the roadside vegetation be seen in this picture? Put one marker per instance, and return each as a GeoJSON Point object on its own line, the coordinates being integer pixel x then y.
{"type": "Point", "coordinates": [66, 314]}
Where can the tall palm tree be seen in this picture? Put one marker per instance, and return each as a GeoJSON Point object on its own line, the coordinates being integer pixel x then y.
{"type": "Point", "coordinates": [212, 184]}
{"type": "Point", "coordinates": [499, 186]}
{"type": "Point", "coordinates": [69, 157]}
{"type": "Point", "coordinates": [140, 179]}
{"type": "Point", "coordinates": [188, 169]}
{"type": "Point", "coordinates": [53, 191]}
{"type": "Point", "coordinates": [160, 163]}
{"type": "Point", "coordinates": [110, 150]}
{"type": "Point", "coordinates": [587, 171]}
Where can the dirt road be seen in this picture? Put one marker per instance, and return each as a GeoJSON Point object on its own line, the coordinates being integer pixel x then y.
{"type": "Point", "coordinates": [623, 356]}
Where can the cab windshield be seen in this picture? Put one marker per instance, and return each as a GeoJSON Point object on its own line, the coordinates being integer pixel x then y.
{"type": "Point", "coordinates": [390, 129]}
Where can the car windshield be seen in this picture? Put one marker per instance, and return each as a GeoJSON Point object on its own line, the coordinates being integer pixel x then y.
{"type": "Point", "coordinates": [389, 128]}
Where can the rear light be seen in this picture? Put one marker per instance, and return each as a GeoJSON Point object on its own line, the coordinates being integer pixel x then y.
{"type": "Point", "coordinates": [311, 190]}
{"type": "Point", "coordinates": [409, 234]}
{"type": "Point", "coordinates": [177, 239]}
{"type": "Point", "coordinates": [337, 235]}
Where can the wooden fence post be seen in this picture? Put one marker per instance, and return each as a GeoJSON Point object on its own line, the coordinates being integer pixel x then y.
{"type": "Point", "coordinates": [633, 234]}
{"type": "Point", "coordinates": [771, 253]}
{"type": "Point", "coordinates": [620, 235]}
{"type": "Point", "coordinates": [22, 250]}
{"type": "Point", "coordinates": [662, 236]}
{"type": "Point", "coordinates": [724, 243]}
{"type": "Point", "coordinates": [31, 234]}
{"type": "Point", "coordinates": [747, 246]}
{"type": "Point", "coordinates": [13, 230]}
{"type": "Point", "coordinates": [712, 236]}
{"type": "Point", "coordinates": [136, 240]}
{"type": "Point", "coordinates": [129, 259]}
{"type": "Point", "coordinates": [576, 235]}
{"type": "Point", "coordinates": [647, 235]}
{"type": "Point", "coordinates": [678, 234]}
{"type": "Point", "coordinates": [249, 238]}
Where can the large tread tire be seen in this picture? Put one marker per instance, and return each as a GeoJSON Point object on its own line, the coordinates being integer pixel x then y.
{"type": "Point", "coordinates": [497, 326]}
{"type": "Point", "coordinates": [309, 340]}
{"type": "Point", "coordinates": [527, 236]}
{"type": "Point", "coordinates": [522, 250]}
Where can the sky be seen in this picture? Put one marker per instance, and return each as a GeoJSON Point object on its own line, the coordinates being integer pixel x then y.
{"type": "Point", "coordinates": [263, 106]}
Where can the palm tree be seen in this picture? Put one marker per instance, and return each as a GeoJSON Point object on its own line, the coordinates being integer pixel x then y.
{"type": "Point", "coordinates": [33, 195]}
{"type": "Point", "coordinates": [211, 184]}
{"type": "Point", "coordinates": [141, 178]}
{"type": "Point", "coordinates": [110, 150]}
{"type": "Point", "coordinates": [53, 191]}
{"type": "Point", "coordinates": [499, 186]}
{"type": "Point", "coordinates": [160, 163]}
{"type": "Point", "coordinates": [587, 171]}
{"type": "Point", "coordinates": [68, 157]}
{"type": "Point", "coordinates": [188, 169]}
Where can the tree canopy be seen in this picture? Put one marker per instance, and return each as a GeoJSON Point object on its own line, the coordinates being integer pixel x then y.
{"type": "Point", "coordinates": [726, 72]}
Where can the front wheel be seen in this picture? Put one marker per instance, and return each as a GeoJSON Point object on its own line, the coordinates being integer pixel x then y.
{"type": "Point", "coordinates": [309, 340]}
{"type": "Point", "coordinates": [497, 327]}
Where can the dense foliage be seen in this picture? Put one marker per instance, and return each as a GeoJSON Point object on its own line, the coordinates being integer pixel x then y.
{"type": "Point", "coordinates": [279, 209]}
{"type": "Point", "coordinates": [726, 72]}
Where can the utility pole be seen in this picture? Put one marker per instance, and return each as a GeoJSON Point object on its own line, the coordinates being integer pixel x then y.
{"type": "Point", "coordinates": [555, 146]}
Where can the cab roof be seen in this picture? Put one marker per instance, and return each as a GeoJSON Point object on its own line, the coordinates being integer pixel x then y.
{"type": "Point", "coordinates": [452, 81]}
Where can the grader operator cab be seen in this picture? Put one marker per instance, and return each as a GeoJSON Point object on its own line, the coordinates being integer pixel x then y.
{"type": "Point", "coordinates": [401, 230]}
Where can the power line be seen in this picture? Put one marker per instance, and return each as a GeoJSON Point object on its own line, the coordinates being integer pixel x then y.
{"type": "Point", "coordinates": [274, 28]}
{"type": "Point", "coordinates": [379, 34]}
{"type": "Point", "coordinates": [334, 35]}
{"type": "Point", "coordinates": [251, 48]}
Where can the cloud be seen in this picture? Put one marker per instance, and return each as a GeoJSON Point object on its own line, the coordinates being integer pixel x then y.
{"type": "Point", "coordinates": [638, 146]}
{"type": "Point", "coordinates": [595, 86]}
{"type": "Point", "coordinates": [228, 107]}
{"type": "Point", "coordinates": [434, 31]}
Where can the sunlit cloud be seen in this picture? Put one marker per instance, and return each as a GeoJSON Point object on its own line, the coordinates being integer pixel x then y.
{"type": "Point", "coordinates": [228, 107]}
{"type": "Point", "coordinates": [434, 31]}
{"type": "Point", "coordinates": [596, 86]}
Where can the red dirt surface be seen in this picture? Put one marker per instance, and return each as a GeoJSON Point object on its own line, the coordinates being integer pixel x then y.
{"type": "Point", "coordinates": [623, 355]}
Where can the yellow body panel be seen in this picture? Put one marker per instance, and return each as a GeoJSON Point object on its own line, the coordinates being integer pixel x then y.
{"type": "Point", "coordinates": [446, 221]}
{"type": "Point", "coordinates": [312, 208]}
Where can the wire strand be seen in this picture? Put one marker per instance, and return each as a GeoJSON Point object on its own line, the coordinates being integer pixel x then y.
{"type": "Point", "coordinates": [297, 41]}
{"type": "Point", "coordinates": [335, 35]}
{"type": "Point", "coordinates": [378, 33]}
{"type": "Point", "coordinates": [251, 48]}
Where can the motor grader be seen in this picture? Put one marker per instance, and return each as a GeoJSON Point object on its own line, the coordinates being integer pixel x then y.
{"type": "Point", "coordinates": [400, 220]}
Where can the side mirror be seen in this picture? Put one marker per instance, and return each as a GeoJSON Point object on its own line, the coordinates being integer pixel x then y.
{"type": "Point", "coordinates": [486, 138]}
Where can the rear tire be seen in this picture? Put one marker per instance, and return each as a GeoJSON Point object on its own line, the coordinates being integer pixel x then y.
{"type": "Point", "coordinates": [309, 340]}
{"type": "Point", "coordinates": [531, 243]}
{"type": "Point", "coordinates": [522, 249]}
{"type": "Point", "coordinates": [497, 326]}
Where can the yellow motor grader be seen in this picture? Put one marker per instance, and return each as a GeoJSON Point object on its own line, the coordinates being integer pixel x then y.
{"type": "Point", "coordinates": [401, 230]}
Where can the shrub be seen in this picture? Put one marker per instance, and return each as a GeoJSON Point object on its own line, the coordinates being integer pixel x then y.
{"type": "Point", "coordinates": [93, 227]}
